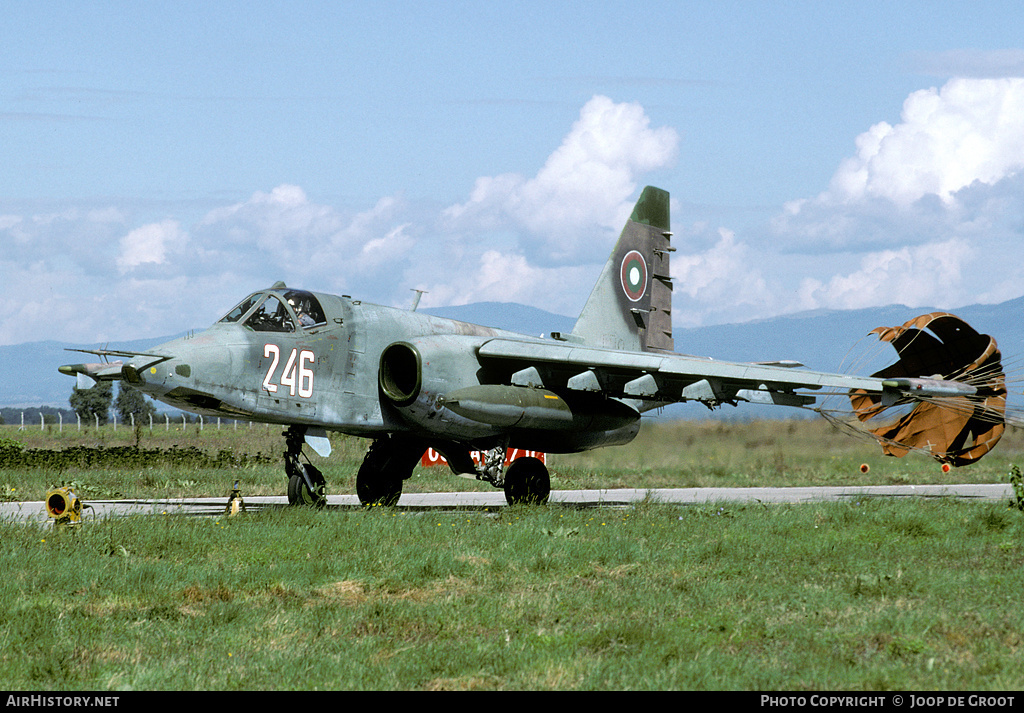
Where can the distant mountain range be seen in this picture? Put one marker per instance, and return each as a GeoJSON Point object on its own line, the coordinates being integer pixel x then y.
{"type": "Point", "coordinates": [820, 339]}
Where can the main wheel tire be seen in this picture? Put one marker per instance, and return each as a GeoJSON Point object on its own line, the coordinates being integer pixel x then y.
{"type": "Point", "coordinates": [388, 462]}
{"type": "Point", "coordinates": [299, 492]}
{"type": "Point", "coordinates": [376, 486]}
{"type": "Point", "coordinates": [378, 492]}
{"type": "Point", "coordinates": [527, 482]}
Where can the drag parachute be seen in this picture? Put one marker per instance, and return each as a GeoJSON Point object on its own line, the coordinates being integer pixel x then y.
{"type": "Point", "coordinates": [957, 430]}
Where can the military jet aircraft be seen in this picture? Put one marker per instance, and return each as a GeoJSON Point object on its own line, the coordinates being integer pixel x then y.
{"type": "Point", "coordinates": [316, 362]}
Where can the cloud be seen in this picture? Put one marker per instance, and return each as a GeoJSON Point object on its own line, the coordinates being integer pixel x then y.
{"type": "Point", "coordinates": [582, 191]}
{"type": "Point", "coordinates": [540, 240]}
{"type": "Point", "coordinates": [283, 235]}
{"type": "Point", "coordinates": [721, 283]}
{"type": "Point", "coordinates": [971, 63]}
{"type": "Point", "coordinates": [385, 249]}
{"type": "Point", "coordinates": [970, 130]}
{"type": "Point", "coordinates": [149, 244]}
{"type": "Point", "coordinates": [927, 213]}
{"type": "Point", "coordinates": [497, 276]}
{"type": "Point", "coordinates": [913, 276]}
{"type": "Point", "coordinates": [281, 223]}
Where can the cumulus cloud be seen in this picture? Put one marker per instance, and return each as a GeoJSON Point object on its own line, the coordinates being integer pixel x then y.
{"type": "Point", "coordinates": [720, 283]}
{"type": "Point", "coordinates": [149, 244]}
{"type": "Point", "coordinates": [969, 130]}
{"type": "Point", "coordinates": [283, 235]}
{"type": "Point", "coordinates": [927, 209]}
{"type": "Point", "coordinates": [913, 276]}
{"type": "Point", "coordinates": [583, 189]}
{"type": "Point", "coordinates": [926, 212]}
{"type": "Point", "coordinates": [498, 276]}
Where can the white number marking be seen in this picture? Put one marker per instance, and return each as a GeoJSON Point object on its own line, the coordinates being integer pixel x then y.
{"type": "Point", "coordinates": [296, 375]}
{"type": "Point", "coordinates": [306, 375]}
{"type": "Point", "coordinates": [288, 375]}
{"type": "Point", "coordinates": [271, 350]}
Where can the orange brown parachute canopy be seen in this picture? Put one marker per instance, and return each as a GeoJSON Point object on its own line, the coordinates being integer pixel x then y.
{"type": "Point", "coordinates": [957, 430]}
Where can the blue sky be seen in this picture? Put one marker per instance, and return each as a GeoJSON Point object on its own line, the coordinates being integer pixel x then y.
{"type": "Point", "coordinates": [163, 160]}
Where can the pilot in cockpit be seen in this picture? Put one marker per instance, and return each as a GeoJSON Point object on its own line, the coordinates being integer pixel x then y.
{"type": "Point", "coordinates": [302, 311]}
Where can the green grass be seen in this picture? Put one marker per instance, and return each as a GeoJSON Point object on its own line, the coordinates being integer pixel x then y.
{"type": "Point", "coordinates": [877, 594]}
{"type": "Point", "coordinates": [664, 455]}
{"type": "Point", "coordinates": [869, 595]}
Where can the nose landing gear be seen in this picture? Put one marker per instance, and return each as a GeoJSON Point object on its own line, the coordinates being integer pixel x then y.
{"type": "Point", "coordinates": [306, 484]}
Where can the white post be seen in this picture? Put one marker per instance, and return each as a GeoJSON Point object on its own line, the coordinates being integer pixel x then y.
{"type": "Point", "coordinates": [42, 423]}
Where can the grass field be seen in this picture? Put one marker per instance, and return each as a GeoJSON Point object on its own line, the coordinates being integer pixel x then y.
{"type": "Point", "coordinates": [876, 594]}
{"type": "Point", "coordinates": [676, 454]}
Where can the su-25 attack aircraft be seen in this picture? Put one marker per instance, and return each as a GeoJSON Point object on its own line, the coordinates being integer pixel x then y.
{"type": "Point", "coordinates": [408, 381]}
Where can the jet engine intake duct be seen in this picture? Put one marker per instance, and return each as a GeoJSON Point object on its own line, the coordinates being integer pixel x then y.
{"type": "Point", "coordinates": [401, 373]}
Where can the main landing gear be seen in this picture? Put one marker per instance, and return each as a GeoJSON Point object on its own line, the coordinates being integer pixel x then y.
{"type": "Point", "coordinates": [390, 461]}
{"type": "Point", "coordinates": [525, 481]}
{"type": "Point", "coordinates": [306, 484]}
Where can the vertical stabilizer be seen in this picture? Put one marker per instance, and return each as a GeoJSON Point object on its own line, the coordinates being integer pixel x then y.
{"type": "Point", "coordinates": [631, 304]}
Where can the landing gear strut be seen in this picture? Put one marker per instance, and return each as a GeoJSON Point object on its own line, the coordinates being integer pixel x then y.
{"type": "Point", "coordinates": [306, 484]}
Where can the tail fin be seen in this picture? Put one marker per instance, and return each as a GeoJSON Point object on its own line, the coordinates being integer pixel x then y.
{"type": "Point", "coordinates": [631, 304]}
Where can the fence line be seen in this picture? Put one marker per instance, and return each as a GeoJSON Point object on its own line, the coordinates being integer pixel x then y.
{"type": "Point", "coordinates": [113, 423]}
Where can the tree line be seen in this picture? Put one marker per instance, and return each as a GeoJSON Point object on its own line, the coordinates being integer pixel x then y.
{"type": "Point", "coordinates": [96, 403]}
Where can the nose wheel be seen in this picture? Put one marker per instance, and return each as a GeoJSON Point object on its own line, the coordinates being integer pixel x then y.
{"type": "Point", "coordinates": [306, 484]}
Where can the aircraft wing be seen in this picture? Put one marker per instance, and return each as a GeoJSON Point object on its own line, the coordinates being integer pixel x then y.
{"type": "Point", "coordinates": [661, 378]}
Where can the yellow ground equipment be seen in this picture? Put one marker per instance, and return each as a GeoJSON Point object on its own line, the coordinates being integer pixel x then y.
{"type": "Point", "coordinates": [64, 506]}
{"type": "Point", "coordinates": [235, 502]}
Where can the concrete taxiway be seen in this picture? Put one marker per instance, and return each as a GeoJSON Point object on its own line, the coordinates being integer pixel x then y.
{"type": "Point", "coordinates": [211, 507]}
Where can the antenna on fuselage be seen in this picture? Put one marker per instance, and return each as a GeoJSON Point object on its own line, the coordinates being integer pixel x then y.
{"type": "Point", "coordinates": [416, 299]}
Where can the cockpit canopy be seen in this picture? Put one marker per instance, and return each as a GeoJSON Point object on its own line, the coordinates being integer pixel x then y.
{"type": "Point", "coordinates": [277, 311]}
